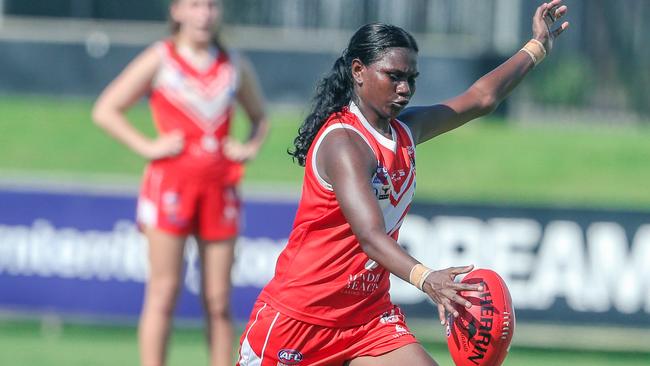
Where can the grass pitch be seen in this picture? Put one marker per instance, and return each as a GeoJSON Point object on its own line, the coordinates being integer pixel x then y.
{"type": "Point", "coordinates": [488, 161]}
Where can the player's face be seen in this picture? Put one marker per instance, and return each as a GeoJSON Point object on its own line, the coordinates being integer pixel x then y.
{"type": "Point", "coordinates": [197, 18]}
{"type": "Point", "coordinates": [388, 84]}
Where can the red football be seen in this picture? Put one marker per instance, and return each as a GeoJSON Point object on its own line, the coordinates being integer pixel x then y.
{"type": "Point", "coordinates": [481, 335]}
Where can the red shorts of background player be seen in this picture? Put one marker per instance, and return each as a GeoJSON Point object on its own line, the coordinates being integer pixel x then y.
{"type": "Point", "coordinates": [183, 204]}
{"type": "Point", "coordinates": [274, 339]}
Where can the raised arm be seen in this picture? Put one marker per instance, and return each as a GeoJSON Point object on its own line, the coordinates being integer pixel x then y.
{"type": "Point", "coordinates": [250, 97]}
{"type": "Point", "coordinates": [347, 163]}
{"type": "Point", "coordinates": [109, 112]}
{"type": "Point", "coordinates": [485, 94]}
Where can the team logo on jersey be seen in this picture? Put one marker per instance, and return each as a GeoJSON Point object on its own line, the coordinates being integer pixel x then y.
{"type": "Point", "coordinates": [381, 183]}
{"type": "Point", "coordinates": [289, 357]}
{"type": "Point", "coordinates": [389, 317]}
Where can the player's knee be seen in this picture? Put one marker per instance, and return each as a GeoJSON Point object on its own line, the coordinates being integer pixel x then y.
{"type": "Point", "coordinates": [161, 294]}
{"type": "Point", "coordinates": [218, 306]}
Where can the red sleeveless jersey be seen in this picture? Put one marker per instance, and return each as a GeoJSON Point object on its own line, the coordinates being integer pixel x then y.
{"type": "Point", "coordinates": [323, 276]}
{"type": "Point", "coordinates": [200, 103]}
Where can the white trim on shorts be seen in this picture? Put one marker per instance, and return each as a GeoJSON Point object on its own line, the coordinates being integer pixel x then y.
{"type": "Point", "coordinates": [268, 335]}
{"type": "Point", "coordinates": [246, 347]}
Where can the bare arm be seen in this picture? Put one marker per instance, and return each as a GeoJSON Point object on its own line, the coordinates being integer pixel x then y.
{"type": "Point", "coordinates": [109, 112]}
{"type": "Point", "coordinates": [490, 90]}
{"type": "Point", "coordinates": [250, 97]}
{"type": "Point", "coordinates": [347, 163]}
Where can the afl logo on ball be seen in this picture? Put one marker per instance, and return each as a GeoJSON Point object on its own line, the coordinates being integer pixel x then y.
{"type": "Point", "coordinates": [289, 356]}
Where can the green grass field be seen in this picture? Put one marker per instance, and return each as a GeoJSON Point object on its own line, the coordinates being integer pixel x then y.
{"type": "Point", "coordinates": [28, 343]}
{"type": "Point", "coordinates": [487, 161]}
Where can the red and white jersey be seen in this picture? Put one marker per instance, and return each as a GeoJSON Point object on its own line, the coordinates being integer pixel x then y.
{"type": "Point", "coordinates": [200, 103]}
{"type": "Point", "coordinates": [323, 276]}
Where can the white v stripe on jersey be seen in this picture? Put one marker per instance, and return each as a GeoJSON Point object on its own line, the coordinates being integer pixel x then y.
{"type": "Point", "coordinates": [206, 99]}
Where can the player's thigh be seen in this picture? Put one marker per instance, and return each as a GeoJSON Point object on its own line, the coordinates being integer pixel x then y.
{"type": "Point", "coordinates": [165, 252]}
{"type": "Point", "coordinates": [216, 264]}
{"type": "Point", "coordinates": [411, 354]}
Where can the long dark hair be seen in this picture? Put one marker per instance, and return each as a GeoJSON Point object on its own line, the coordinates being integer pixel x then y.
{"type": "Point", "coordinates": [335, 90]}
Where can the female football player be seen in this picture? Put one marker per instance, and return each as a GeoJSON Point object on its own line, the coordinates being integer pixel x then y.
{"type": "Point", "coordinates": [189, 185]}
{"type": "Point", "coordinates": [328, 303]}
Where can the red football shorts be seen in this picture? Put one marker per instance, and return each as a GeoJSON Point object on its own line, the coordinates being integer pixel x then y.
{"type": "Point", "coordinates": [184, 205]}
{"type": "Point", "coordinates": [274, 339]}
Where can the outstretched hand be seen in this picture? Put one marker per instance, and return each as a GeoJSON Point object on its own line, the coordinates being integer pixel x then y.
{"type": "Point", "coordinates": [545, 23]}
{"type": "Point", "coordinates": [442, 289]}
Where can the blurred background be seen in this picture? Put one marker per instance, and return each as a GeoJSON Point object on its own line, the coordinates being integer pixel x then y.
{"type": "Point", "coordinates": [551, 191]}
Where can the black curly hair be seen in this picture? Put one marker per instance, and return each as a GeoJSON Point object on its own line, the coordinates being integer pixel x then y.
{"type": "Point", "coordinates": [335, 90]}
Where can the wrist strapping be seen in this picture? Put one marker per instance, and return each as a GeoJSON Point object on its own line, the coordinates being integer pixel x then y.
{"type": "Point", "coordinates": [536, 50]}
{"type": "Point", "coordinates": [418, 274]}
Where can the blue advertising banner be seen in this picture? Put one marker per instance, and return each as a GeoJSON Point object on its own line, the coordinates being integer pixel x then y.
{"type": "Point", "coordinates": [561, 265]}
{"type": "Point", "coordinates": [81, 254]}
